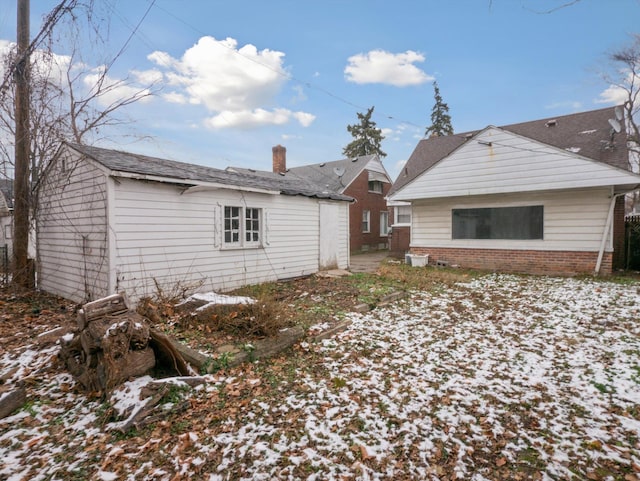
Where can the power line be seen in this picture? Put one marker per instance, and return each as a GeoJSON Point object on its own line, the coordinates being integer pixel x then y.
{"type": "Point", "coordinates": [133, 32]}
{"type": "Point", "coordinates": [288, 76]}
{"type": "Point", "coordinates": [50, 21]}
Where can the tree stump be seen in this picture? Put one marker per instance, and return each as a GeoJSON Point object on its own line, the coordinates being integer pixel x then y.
{"type": "Point", "coordinates": [114, 344]}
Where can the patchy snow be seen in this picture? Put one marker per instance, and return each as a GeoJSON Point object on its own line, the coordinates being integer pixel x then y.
{"type": "Point", "coordinates": [573, 150]}
{"type": "Point", "coordinates": [213, 298]}
{"type": "Point", "coordinates": [502, 377]}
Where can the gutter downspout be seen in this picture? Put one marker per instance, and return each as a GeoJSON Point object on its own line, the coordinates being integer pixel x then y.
{"type": "Point", "coordinates": [605, 233]}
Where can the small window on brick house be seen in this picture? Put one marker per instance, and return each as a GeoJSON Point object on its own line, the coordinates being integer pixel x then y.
{"type": "Point", "coordinates": [366, 221]}
{"type": "Point", "coordinates": [375, 186]}
{"type": "Point", "coordinates": [384, 223]}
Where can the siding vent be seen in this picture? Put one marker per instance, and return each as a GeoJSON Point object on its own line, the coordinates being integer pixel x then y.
{"type": "Point", "coordinates": [551, 123]}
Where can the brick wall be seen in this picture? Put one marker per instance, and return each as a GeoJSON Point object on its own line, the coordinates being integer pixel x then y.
{"type": "Point", "coordinates": [374, 203]}
{"type": "Point", "coordinates": [519, 261]}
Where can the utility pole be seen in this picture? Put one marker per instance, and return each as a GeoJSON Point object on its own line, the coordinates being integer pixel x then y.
{"type": "Point", "coordinates": [21, 188]}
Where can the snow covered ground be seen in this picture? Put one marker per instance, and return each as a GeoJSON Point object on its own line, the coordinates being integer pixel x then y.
{"type": "Point", "coordinates": [502, 377]}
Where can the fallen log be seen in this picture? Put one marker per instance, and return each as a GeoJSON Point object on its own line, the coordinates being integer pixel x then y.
{"type": "Point", "coordinates": [12, 400]}
{"type": "Point", "coordinates": [144, 410]}
{"type": "Point", "coordinates": [168, 353]}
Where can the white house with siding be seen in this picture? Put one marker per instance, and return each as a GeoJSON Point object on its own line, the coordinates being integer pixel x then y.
{"type": "Point", "coordinates": [111, 221]}
{"type": "Point", "coordinates": [542, 197]}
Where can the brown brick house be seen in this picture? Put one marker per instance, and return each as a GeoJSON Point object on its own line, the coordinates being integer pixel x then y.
{"type": "Point", "coordinates": [545, 196]}
{"type": "Point", "coordinates": [365, 180]}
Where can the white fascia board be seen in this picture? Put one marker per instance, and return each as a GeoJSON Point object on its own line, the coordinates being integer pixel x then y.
{"type": "Point", "coordinates": [194, 185]}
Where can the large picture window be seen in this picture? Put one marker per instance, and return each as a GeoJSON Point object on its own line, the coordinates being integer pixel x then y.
{"type": "Point", "coordinates": [515, 223]}
{"type": "Point", "coordinates": [242, 226]}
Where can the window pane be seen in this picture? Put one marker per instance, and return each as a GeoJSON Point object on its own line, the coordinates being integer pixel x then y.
{"type": "Point", "coordinates": [375, 186]}
{"type": "Point", "coordinates": [384, 223]}
{"type": "Point", "coordinates": [515, 223]}
{"type": "Point", "coordinates": [252, 225]}
{"type": "Point", "coordinates": [231, 225]}
{"type": "Point", "coordinates": [403, 214]}
{"type": "Point", "coordinates": [365, 221]}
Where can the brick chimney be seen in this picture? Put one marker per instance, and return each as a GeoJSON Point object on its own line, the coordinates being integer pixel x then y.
{"type": "Point", "coordinates": [279, 159]}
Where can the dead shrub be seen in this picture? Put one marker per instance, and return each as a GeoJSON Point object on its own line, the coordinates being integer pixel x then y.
{"type": "Point", "coordinates": [263, 318]}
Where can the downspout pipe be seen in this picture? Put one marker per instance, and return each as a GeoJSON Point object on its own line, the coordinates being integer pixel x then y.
{"type": "Point", "coordinates": [607, 228]}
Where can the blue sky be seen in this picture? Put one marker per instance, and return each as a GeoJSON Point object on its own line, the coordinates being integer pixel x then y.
{"type": "Point", "coordinates": [236, 78]}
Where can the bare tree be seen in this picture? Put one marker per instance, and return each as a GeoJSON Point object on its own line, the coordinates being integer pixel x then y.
{"type": "Point", "coordinates": [624, 88]}
{"type": "Point", "coordinates": [627, 59]}
{"type": "Point", "coordinates": [71, 97]}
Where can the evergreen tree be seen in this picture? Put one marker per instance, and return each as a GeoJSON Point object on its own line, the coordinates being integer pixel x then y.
{"type": "Point", "coordinates": [440, 118]}
{"type": "Point", "coordinates": [366, 137]}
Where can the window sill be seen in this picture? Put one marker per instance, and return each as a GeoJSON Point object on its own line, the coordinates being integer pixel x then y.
{"type": "Point", "coordinates": [239, 248]}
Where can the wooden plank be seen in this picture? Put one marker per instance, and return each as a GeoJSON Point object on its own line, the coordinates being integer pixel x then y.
{"type": "Point", "coordinates": [12, 400]}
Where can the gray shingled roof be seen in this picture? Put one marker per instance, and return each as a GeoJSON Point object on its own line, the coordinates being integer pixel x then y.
{"type": "Point", "coordinates": [324, 174]}
{"type": "Point", "coordinates": [132, 163]}
{"type": "Point", "coordinates": [588, 131]}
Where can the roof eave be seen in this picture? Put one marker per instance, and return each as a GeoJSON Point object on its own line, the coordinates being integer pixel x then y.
{"type": "Point", "coordinates": [193, 185]}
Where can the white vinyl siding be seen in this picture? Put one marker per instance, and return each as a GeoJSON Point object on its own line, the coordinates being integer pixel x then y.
{"type": "Point", "coordinates": [573, 220]}
{"type": "Point", "coordinates": [72, 233]}
{"type": "Point", "coordinates": [510, 164]}
{"type": "Point", "coordinates": [176, 240]}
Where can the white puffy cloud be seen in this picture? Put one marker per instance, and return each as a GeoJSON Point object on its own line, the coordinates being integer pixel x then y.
{"type": "Point", "coordinates": [238, 84]}
{"type": "Point", "coordinates": [147, 77]}
{"type": "Point", "coordinates": [378, 66]}
{"type": "Point", "coordinates": [44, 65]}
{"type": "Point", "coordinates": [248, 119]}
{"type": "Point", "coordinates": [174, 98]}
{"type": "Point", "coordinates": [614, 95]}
{"type": "Point", "coordinates": [305, 119]}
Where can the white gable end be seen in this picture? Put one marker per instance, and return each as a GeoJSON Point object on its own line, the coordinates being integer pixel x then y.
{"type": "Point", "coordinates": [374, 165]}
{"type": "Point", "coordinates": [497, 162]}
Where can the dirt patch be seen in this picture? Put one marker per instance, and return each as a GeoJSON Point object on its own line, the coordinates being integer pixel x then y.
{"type": "Point", "coordinates": [27, 316]}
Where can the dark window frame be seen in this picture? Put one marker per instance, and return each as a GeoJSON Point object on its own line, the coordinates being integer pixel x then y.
{"type": "Point", "coordinates": [498, 223]}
